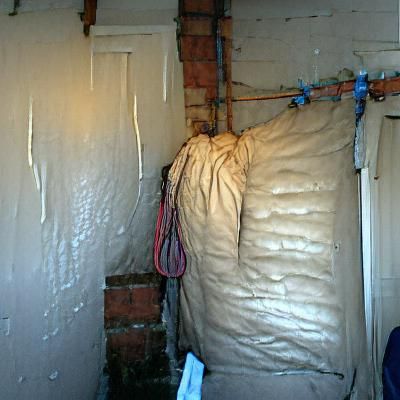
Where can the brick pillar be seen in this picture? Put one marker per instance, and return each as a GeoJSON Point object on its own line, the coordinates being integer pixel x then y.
{"type": "Point", "coordinates": [136, 338]}
{"type": "Point", "coordinates": [198, 22]}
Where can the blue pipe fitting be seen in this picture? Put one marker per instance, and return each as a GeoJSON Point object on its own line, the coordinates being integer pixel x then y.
{"type": "Point", "coordinates": [304, 98]}
{"type": "Point", "coordinates": [360, 93]}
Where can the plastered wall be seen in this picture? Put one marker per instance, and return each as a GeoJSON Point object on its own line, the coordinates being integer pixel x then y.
{"type": "Point", "coordinates": [75, 202]}
{"type": "Point", "coordinates": [62, 217]}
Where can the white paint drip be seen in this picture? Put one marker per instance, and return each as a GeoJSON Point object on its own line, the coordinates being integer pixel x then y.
{"type": "Point", "coordinates": [36, 176]}
{"type": "Point", "coordinates": [172, 74]}
{"type": "Point", "coordinates": [53, 376]}
{"type": "Point", "coordinates": [138, 140]}
{"type": "Point", "coordinates": [91, 63]}
{"type": "Point", "coordinates": [43, 193]}
{"type": "Point", "coordinates": [66, 286]}
{"type": "Point", "coordinates": [70, 283]}
{"type": "Point", "coordinates": [78, 307]}
{"type": "Point", "coordinates": [165, 70]}
{"type": "Point", "coordinates": [30, 131]}
{"type": "Point", "coordinates": [139, 149]}
{"type": "Point", "coordinates": [46, 337]}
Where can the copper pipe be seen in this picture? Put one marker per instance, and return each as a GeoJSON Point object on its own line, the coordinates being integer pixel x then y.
{"type": "Point", "coordinates": [376, 88]}
{"type": "Point", "coordinates": [272, 96]}
{"type": "Point", "coordinates": [227, 24]}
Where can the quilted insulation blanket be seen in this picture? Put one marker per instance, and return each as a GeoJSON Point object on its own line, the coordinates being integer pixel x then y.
{"type": "Point", "coordinates": [272, 297]}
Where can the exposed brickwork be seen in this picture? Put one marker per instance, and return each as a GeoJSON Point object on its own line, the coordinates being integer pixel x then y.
{"type": "Point", "coordinates": [148, 279]}
{"type": "Point", "coordinates": [127, 346]}
{"type": "Point", "coordinates": [197, 26]}
{"type": "Point", "coordinates": [198, 19]}
{"type": "Point", "coordinates": [211, 93]}
{"type": "Point", "coordinates": [156, 341]}
{"type": "Point", "coordinates": [226, 28]}
{"type": "Point", "coordinates": [199, 7]}
{"type": "Point", "coordinates": [136, 339]}
{"type": "Point", "coordinates": [198, 48]}
{"type": "Point", "coordinates": [137, 343]}
{"type": "Point", "coordinates": [199, 74]}
{"type": "Point", "coordinates": [125, 306]}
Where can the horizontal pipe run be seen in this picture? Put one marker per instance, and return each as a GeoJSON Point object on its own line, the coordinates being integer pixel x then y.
{"type": "Point", "coordinates": [272, 96]}
{"type": "Point", "coordinates": [376, 88]}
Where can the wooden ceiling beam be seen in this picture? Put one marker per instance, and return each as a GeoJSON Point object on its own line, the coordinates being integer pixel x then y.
{"type": "Point", "coordinates": [89, 15]}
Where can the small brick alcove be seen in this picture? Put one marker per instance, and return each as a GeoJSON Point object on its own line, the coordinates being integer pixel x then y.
{"type": "Point", "coordinates": [137, 363]}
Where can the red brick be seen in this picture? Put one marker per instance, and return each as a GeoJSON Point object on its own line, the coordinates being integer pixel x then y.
{"type": "Point", "coordinates": [123, 307]}
{"type": "Point", "coordinates": [211, 93]}
{"type": "Point", "coordinates": [156, 342]}
{"type": "Point", "coordinates": [198, 6]}
{"type": "Point", "coordinates": [147, 295]}
{"type": "Point", "coordinates": [127, 346]}
{"type": "Point", "coordinates": [136, 344]}
{"type": "Point", "coordinates": [116, 297]}
{"type": "Point", "coordinates": [148, 279]}
{"type": "Point", "coordinates": [199, 74]}
{"type": "Point", "coordinates": [198, 48]}
{"type": "Point", "coordinates": [227, 27]}
{"type": "Point", "coordinates": [197, 26]}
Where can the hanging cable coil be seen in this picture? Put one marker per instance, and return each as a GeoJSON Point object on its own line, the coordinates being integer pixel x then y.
{"type": "Point", "coordinates": [169, 253]}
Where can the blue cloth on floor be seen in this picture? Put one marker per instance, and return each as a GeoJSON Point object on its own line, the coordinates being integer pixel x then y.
{"type": "Point", "coordinates": [391, 367]}
{"type": "Point", "coordinates": [192, 378]}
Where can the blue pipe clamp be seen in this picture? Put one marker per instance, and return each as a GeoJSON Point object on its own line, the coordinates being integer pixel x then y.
{"type": "Point", "coordinates": [304, 98]}
{"type": "Point", "coordinates": [360, 93]}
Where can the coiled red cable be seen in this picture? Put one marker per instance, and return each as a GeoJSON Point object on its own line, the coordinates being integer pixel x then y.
{"type": "Point", "coordinates": [169, 254]}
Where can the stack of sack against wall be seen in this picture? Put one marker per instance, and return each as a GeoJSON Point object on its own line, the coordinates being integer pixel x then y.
{"type": "Point", "coordinates": [273, 284]}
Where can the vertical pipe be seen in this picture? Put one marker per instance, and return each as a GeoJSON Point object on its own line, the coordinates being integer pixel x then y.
{"type": "Point", "coordinates": [218, 54]}
{"type": "Point", "coordinates": [366, 248]}
{"type": "Point", "coordinates": [228, 72]}
{"type": "Point", "coordinates": [398, 22]}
